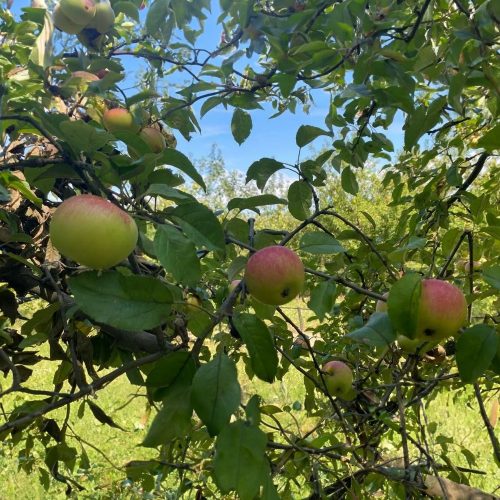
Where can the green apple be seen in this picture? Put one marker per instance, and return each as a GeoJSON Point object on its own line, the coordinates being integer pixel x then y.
{"type": "Point", "coordinates": [153, 138]}
{"type": "Point", "coordinates": [92, 231]}
{"type": "Point", "coordinates": [193, 303]}
{"type": "Point", "coordinates": [119, 120]}
{"type": "Point", "coordinates": [274, 275]}
{"type": "Point", "coordinates": [442, 310]}
{"type": "Point", "coordinates": [338, 378]}
{"type": "Point", "coordinates": [104, 18]}
{"type": "Point", "coordinates": [64, 23]}
{"type": "Point", "coordinates": [78, 11]}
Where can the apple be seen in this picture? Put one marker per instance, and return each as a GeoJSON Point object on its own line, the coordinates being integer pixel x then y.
{"type": "Point", "coordinates": [119, 120]}
{"type": "Point", "coordinates": [104, 18]}
{"type": "Point", "coordinates": [442, 310]}
{"type": "Point", "coordinates": [274, 275]}
{"type": "Point", "coordinates": [193, 303]}
{"type": "Point", "coordinates": [92, 231]}
{"type": "Point", "coordinates": [64, 23]}
{"type": "Point", "coordinates": [338, 378]}
{"type": "Point", "coordinates": [78, 11]}
{"type": "Point", "coordinates": [153, 138]}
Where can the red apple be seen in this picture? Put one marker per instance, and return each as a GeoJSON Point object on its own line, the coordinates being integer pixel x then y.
{"type": "Point", "coordinates": [119, 120]}
{"type": "Point", "coordinates": [92, 231]}
{"type": "Point", "coordinates": [338, 378]}
{"type": "Point", "coordinates": [274, 275]}
{"type": "Point", "coordinates": [442, 310]}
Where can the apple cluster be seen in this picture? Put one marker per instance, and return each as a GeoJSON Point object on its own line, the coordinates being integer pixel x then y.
{"type": "Point", "coordinates": [121, 120]}
{"type": "Point", "coordinates": [74, 16]}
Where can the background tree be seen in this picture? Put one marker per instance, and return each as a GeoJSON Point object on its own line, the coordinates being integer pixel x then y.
{"type": "Point", "coordinates": [363, 220]}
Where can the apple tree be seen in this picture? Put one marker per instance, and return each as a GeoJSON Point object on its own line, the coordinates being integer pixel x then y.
{"type": "Point", "coordinates": [162, 315]}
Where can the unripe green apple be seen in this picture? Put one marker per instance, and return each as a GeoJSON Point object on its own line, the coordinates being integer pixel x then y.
{"type": "Point", "coordinates": [119, 120]}
{"type": "Point", "coordinates": [193, 303]}
{"type": "Point", "coordinates": [78, 11]}
{"type": "Point", "coordinates": [274, 275]}
{"type": "Point", "coordinates": [442, 310]}
{"type": "Point", "coordinates": [153, 138]}
{"type": "Point", "coordinates": [338, 378]}
{"type": "Point", "coordinates": [64, 23]}
{"type": "Point", "coordinates": [104, 18]}
{"type": "Point", "coordinates": [92, 231]}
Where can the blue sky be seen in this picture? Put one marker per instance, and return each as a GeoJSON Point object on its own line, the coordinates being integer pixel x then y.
{"type": "Point", "coordinates": [269, 138]}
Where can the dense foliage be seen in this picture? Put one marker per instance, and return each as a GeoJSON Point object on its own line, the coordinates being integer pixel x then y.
{"type": "Point", "coordinates": [361, 216]}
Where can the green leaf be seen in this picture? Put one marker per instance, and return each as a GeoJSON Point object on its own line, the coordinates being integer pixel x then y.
{"type": "Point", "coordinates": [177, 159]}
{"type": "Point", "coordinates": [241, 125]}
{"type": "Point", "coordinates": [317, 242]}
{"type": "Point", "coordinates": [144, 95]}
{"type": "Point", "coordinates": [476, 348]}
{"type": "Point", "coordinates": [200, 224]}
{"type": "Point", "coordinates": [299, 200]}
{"type": "Point", "coordinates": [216, 393]}
{"type": "Point", "coordinates": [128, 8]}
{"type": "Point", "coordinates": [323, 298]}
{"type": "Point", "coordinates": [174, 418]}
{"type": "Point", "coordinates": [491, 140]}
{"type": "Point", "coordinates": [240, 463]}
{"type": "Point", "coordinates": [210, 103]}
{"type": "Point", "coordinates": [377, 332]}
{"type": "Point", "coordinates": [177, 367]}
{"type": "Point", "coordinates": [348, 180]}
{"type": "Point", "coordinates": [252, 410]}
{"type": "Point", "coordinates": [83, 137]}
{"type": "Point", "coordinates": [260, 171]}
{"type": "Point", "coordinates": [127, 302]}
{"type": "Point", "coordinates": [260, 345]}
{"type": "Point", "coordinates": [492, 276]}
{"type": "Point", "coordinates": [252, 202]}
{"type": "Point", "coordinates": [157, 14]}
{"type": "Point", "coordinates": [177, 255]}
{"type": "Point", "coordinates": [42, 52]}
{"type": "Point", "coordinates": [167, 192]}
{"type": "Point", "coordinates": [307, 133]}
{"type": "Point", "coordinates": [403, 303]}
